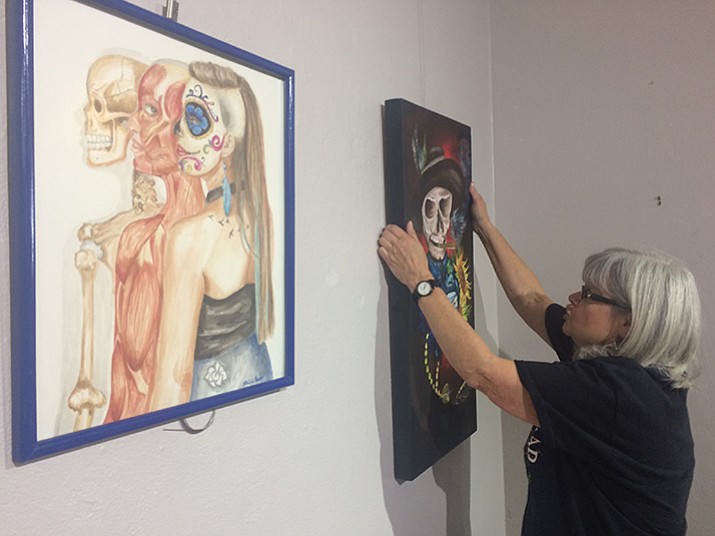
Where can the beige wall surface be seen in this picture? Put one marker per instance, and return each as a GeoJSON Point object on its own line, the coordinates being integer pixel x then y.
{"type": "Point", "coordinates": [315, 458]}
{"type": "Point", "coordinates": [604, 130]}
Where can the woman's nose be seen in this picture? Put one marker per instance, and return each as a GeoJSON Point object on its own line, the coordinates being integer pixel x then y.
{"type": "Point", "coordinates": [575, 297]}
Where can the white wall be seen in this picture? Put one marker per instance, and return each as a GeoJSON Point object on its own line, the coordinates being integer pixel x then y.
{"type": "Point", "coordinates": [599, 108]}
{"type": "Point", "coordinates": [315, 458]}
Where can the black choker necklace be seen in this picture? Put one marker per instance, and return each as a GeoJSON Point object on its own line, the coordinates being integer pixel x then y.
{"type": "Point", "coordinates": [216, 193]}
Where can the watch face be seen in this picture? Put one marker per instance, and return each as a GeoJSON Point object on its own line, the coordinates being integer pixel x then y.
{"type": "Point", "coordinates": [424, 288]}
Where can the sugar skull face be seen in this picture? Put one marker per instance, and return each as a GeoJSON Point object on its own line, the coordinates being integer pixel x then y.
{"type": "Point", "coordinates": [436, 213]}
{"type": "Point", "coordinates": [111, 98]}
{"type": "Point", "coordinates": [158, 110]}
{"type": "Point", "coordinates": [202, 134]}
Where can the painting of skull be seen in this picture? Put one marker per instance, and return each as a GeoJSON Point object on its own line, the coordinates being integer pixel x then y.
{"type": "Point", "coordinates": [164, 256]}
{"type": "Point", "coordinates": [111, 98]}
{"type": "Point", "coordinates": [427, 177]}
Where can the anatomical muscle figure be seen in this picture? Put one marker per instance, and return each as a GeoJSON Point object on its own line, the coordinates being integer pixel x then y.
{"type": "Point", "coordinates": [112, 82]}
{"type": "Point", "coordinates": [140, 256]}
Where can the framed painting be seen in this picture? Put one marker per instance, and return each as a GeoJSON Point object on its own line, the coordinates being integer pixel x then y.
{"type": "Point", "coordinates": [427, 177]}
{"type": "Point", "coordinates": [151, 222]}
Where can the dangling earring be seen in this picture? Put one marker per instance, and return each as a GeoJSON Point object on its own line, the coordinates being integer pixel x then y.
{"type": "Point", "coordinates": [226, 188]}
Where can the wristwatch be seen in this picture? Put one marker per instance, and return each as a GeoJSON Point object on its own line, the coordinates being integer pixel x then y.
{"type": "Point", "coordinates": [423, 288]}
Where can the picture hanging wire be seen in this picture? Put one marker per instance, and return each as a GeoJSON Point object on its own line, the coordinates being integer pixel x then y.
{"type": "Point", "coordinates": [171, 10]}
{"type": "Point", "coordinates": [193, 431]}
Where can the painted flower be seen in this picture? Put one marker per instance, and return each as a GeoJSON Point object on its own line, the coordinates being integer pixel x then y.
{"type": "Point", "coordinates": [216, 375]}
{"type": "Point", "coordinates": [465, 288]}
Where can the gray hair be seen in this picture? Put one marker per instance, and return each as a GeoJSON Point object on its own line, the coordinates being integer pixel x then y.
{"type": "Point", "coordinates": [664, 305]}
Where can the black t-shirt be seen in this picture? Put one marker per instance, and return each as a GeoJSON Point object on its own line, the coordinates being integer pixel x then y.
{"type": "Point", "coordinates": [614, 452]}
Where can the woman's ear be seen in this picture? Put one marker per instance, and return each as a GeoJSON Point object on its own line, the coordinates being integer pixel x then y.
{"type": "Point", "coordinates": [229, 145]}
{"type": "Point", "coordinates": [624, 326]}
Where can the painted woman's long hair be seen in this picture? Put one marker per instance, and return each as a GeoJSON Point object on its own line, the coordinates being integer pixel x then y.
{"type": "Point", "coordinates": [249, 170]}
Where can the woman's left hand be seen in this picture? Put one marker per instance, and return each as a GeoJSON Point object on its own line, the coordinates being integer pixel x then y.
{"type": "Point", "coordinates": [404, 255]}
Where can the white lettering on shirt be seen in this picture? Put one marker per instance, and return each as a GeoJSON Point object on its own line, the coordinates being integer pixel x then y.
{"type": "Point", "coordinates": [532, 448]}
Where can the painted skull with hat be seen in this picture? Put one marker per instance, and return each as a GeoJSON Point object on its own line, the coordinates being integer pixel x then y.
{"type": "Point", "coordinates": [440, 209]}
{"type": "Point", "coordinates": [441, 192]}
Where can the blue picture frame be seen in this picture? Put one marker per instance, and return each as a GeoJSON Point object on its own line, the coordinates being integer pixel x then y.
{"type": "Point", "coordinates": [34, 218]}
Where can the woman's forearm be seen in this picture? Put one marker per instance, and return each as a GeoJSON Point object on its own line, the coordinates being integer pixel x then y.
{"type": "Point", "coordinates": [471, 357]}
{"type": "Point", "coordinates": [468, 353]}
{"type": "Point", "coordinates": [521, 286]}
{"type": "Point", "coordinates": [515, 276]}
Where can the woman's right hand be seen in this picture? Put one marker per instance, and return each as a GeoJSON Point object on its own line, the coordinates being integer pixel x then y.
{"type": "Point", "coordinates": [403, 254]}
{"type": "Point", "coordinates": [480, 215]}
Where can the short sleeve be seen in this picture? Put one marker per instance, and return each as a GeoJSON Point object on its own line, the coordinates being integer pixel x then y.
{"type": "Point", "coordinates": [562, 344]}
{"type": "Point", "coordinates": [574, 401]}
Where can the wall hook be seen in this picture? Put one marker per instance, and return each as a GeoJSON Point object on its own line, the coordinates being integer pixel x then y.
{"type": "Point", "coordinates": [171, 10]}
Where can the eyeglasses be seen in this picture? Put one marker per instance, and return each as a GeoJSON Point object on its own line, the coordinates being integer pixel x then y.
{"type": "Point", "coordinates": [586, 294]}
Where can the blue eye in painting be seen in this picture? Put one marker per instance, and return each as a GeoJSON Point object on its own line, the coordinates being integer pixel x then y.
{"type": "Point", "coordinates": [197, 119]}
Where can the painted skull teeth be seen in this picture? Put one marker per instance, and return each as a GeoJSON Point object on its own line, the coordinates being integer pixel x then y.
{"type": "Point", "coordinates": [98, 142]}
{"type": "Point", "coordinates": [437, 241]}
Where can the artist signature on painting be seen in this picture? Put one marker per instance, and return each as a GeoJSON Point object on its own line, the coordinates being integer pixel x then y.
{"type": "Point", "coordinates": [254, 380]}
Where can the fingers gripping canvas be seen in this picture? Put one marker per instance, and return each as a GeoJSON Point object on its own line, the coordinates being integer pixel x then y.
{"type": "Point", "coordinates": [427, 177]}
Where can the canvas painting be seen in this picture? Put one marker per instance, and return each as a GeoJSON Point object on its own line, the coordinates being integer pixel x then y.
{"type": "Point", "coordinates": [427, 177]}
{"type": "Point", "coordinates": [154, 192]}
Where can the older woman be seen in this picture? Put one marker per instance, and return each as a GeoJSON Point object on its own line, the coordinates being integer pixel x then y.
{"type": "Point", "coordinates": [610, 451]}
